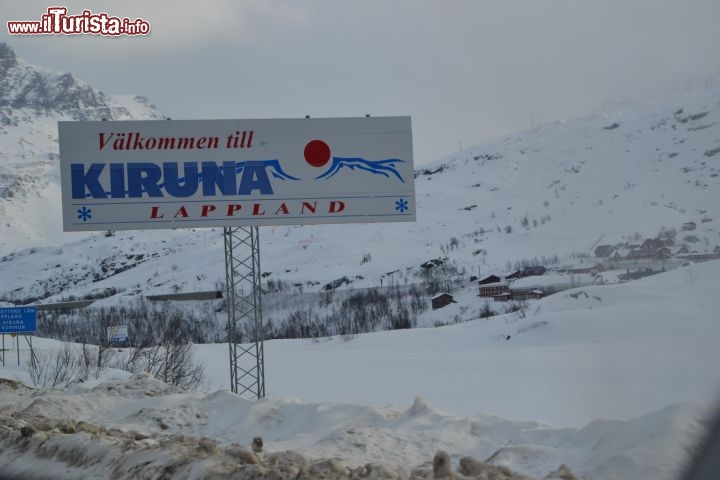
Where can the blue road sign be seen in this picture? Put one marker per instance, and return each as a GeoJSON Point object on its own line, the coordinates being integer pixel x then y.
{"type": "Point", "coordinates": [18, 320]}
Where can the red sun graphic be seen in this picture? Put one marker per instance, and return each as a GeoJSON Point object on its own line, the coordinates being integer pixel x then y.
{"type": "Point", "coordinates": [317, 153]}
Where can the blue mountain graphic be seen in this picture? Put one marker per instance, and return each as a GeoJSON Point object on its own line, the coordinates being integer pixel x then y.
{"type": "Point", "coordinates": [379, 167]}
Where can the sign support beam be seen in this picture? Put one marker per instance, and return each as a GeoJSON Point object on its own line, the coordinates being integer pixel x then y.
{"type": "Point", "coordinates": [244, 305]}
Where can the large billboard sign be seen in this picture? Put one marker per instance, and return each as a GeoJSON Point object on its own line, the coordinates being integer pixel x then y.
{"type": "Point", "coordinates": [18, 319]}
{"type": "Point", "coordinates": [207, 173]}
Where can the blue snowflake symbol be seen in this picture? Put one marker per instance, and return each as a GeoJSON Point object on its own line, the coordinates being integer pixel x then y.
{"type": "Point", "coordinates": [84, 214]}
{"type": "Point", "coordinates": [401, 205]}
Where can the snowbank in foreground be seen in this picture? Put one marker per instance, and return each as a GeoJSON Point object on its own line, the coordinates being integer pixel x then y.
{"type": "Point", "coordinates": [142, 428]}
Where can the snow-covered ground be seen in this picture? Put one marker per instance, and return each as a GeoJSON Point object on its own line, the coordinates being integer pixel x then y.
{"type": "Point", "coordinates": [616, 381]}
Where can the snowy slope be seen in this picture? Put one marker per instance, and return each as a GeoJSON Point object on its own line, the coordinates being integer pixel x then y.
{"type": "Point", "coordinates": [616, 381]}
{"type": "Point", "coordinates": [576, 184]}
{"type": "Point", "coordinates": [615, 351]}
{"type": "Point", "coordinates": [560, 190]}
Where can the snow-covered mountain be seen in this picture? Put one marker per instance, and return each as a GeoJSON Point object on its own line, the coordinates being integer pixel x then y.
{"type": "Point", "coordinates": [551, 194]}
{"type": "Point", "coordinates": [32, 100]}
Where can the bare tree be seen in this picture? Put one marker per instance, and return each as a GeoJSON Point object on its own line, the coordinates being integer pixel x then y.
{"type": "Point", "coordinates": [486, 311]}
{"type": "Point", "coordinates": [60, 368]}
{"type": "Point", "coordinates": [171, 360]}
{"type": "Point", "coordinates": [520, 307]}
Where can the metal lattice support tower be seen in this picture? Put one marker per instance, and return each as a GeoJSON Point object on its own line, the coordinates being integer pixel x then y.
{"type": "Point", "coordinates": [245, 329]}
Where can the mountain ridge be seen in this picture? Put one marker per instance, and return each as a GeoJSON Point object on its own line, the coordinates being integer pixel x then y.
{"type": "Point", "coordinates": [552, 193]}
{"type": "Point", "coordinates": [32, 100]}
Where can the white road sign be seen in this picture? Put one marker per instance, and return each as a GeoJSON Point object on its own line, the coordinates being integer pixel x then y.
{"type": "Point", "coordinates": [206, 173]}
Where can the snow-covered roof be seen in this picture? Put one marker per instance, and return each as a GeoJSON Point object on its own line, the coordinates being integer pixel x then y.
{"type": "Point", "coordinates": [440, 295]}
{"type": "Point", "coordinates": [552, 279]}
{"type": "Point", "coordinates": [496, 284]}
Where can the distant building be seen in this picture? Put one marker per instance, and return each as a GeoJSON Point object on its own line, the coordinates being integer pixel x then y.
{"type": "Point", "coordinates": [184, 297]}
{"type": "Point", "coordinates": [442, 299]}
{"type": "Point", "coordinates": [604, 251]}
{"type": "Point", "coordinates": [60, 306]}
{"type": "Point", "coordinates": [534, 271]}
{"type": "Point", "coordinates": [515, 275]}
{"type": "Point", "coordinates": [652, 244]}
{"type": "Point", "coordinates": [701, 257]}
{"type": "Point", "coordinates": [502, 297]}
{"type": "Point", "coordinates": [689, 226]}
{"type": "Point", "coordinates": [641, 254]}
{"type": "Point", "coordinates": [490, 279]}
{"type": "Point", "coordinates": [527, 272]}
{"type": "Point", "coordinates": [492, 289]}
{"type": "Point", "coordinates": [580, 270]}
{"type": "Point", "coordinates": [526, 294]}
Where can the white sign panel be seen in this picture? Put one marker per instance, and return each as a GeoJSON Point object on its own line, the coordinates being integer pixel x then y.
{"type": "Point", "coordinates": [207, 173]}
{"type": "Point", "coordinates": [117, 334]}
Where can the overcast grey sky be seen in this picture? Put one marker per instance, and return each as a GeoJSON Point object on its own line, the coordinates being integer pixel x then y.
{"type": "Point", "coordinates": [466, 71]}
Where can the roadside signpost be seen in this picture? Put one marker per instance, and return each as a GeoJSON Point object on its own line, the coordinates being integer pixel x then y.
{"type": "Point", "coordinates": [15, 321]}
{"type": "Point", "coordinates": [18, 320]}
{"type": "Point", "coordinates": [239, 175]}
{"type": "Point", "coordinates": [117, 335]}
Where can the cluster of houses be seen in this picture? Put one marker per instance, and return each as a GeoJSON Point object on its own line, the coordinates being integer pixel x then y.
{"type": "Point", "coordinates": [503, 289]}
{"type": "Point", "coordinates": [650, 249]}
{"type": "Point", "coordinates": [656, 249]}
{"type": "Point", "coordinates": [701, 257]}
{"type": "Point", "coordinates": [653, 249]}
{"type": "Point", "coordinates": [499, 289]}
